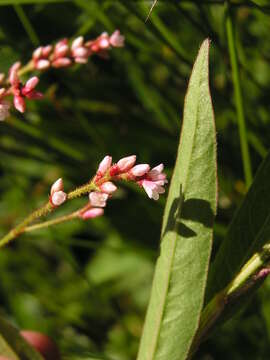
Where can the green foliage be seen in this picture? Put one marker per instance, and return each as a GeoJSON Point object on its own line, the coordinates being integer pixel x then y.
{"type": "Point", "coordinates": [248, 232]}
{"type": "Point", "coordinates": [182, 267]}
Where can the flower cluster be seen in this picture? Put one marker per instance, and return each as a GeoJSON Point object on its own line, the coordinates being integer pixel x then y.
{"type": "Point", "coordinates": [62, 55]}
{"type": "Point", "coordinates": [152, 180]}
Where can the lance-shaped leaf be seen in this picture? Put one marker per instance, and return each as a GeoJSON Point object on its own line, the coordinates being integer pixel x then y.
{"type": "Point", "coordinates": [248, 232]}
{"type": "Point", "coordinates": [13, 346]}
{"type": "Point", "coordinates": [181, 271]}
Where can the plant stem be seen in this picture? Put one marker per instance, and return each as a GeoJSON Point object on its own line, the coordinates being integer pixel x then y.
{"type": "Point", "coordinates": [236, 288]}
{"type": "Point", "coordinates": [48, 223]}
{"type": "Point", "coordinates": [44, 210]}
{"type": "Point", "coordinates": [238, 96]}
{"type": "Point", "coordinates": [19, 229]}
{"type": "Point", "coordinates": [26, 68]}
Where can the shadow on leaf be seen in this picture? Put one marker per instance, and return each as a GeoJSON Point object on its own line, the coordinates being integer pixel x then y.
{"type": "Point", "coordinates": [196, 210]}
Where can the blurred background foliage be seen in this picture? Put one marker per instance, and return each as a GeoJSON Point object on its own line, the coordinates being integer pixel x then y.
{"type": "Point", "coordinates": [86, 284]}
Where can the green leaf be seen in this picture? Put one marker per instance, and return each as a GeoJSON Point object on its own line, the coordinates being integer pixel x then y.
{"type": "Point", "coordinates": [248, 232]}
{"type": "Point", "coordinates": [181, 271]}
{"type": "Point", "coordinates": [13, 345]}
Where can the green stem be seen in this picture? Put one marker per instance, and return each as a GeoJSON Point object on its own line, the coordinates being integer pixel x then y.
{"type": "Point", "coordinates": [19, 229]}
{"type": "Point", "coordinates": [44, 210]}
{"type": "Point", "coordinates": [26, 68]}
{"type": "Point", "coordinates": [48, 223]}
{"type": "Point", "coordinates": [236, 288]}
{"type": "Point", "coordinates": [238, 97]}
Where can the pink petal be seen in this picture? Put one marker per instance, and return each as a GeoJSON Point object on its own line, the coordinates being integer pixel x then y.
{"type": "Point", "coordinates": [77, 43]}
{"type": "Point", "coordinates": [46, 50]}
{"type": "Point", "coordinates": [31, 83]}
{"type": "Point", "coordinates": [80, 52]}
{"type": "Point", "coordinates": [42, 64]}
{"type": "Point", "coordinates": [58, 185]}
{"type": "Point", "coordinates": [61, 51]}
{"type": "Point", "coordinates": [34, 95]}
{"type": "Point", "coordinates": [139, 170]}
{"type": "Point", "coordinates": [98, 199]}
{"type": "Point", "coordinates": [80, 60]}
{"type": "Point", "coordinates": [108, 187]}
{"type": "Point", "coordinates": [19, 103]}
{"type": "Point", "coordinates": [126, 163]}
{"type": "Point", "coordinates": [116, 39]}
{"type": "Point", "coordinates": [105, 165]}
{"type": "Point", "coordinates": [61, 62]}
{"type": "Point", "coordinates": [37, 53]}
{"type": "Point", "coordinates": [58, 198]}
{"type": "Point", "coordinates": [92, 213]}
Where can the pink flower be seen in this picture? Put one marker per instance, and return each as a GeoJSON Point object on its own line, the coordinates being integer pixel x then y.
{"type": "Point", "coordinates": [58, 196]}
{"type": "Point", "coordinates": [61, 49]}
{"type": "Point", "coordinates": [98, 199]}
{"type": "Point", "coordinates": [154, 181]}
{"type": "Point", "coordinates": [28, 90]}
{"type": "Point", "coordinates": [58, 185]}
{"type": "Point", "coordinates": [4, 109]}
{"type": "Point", "coordinates": [61, 54]}
{"type": "Point", "coordinates": [139, 170]}
{"type": "Point", "coordinates": [13, 74]}
{"type": "Point", "coordinates": [116, 39]}
{"type": "Point", "coordinates": [104, 165]}
{"type": "Point", "coordinates": [126, 163]}
{"type": "Point", "coordinates": [152, 189]}
{"type": "Point", "coordinates": [42, 64]}
{"type": "Point", "coordinates": [108, 187]}
{"type": "Point", "coordinates": [92, 213]}
{"type": "Point", "coordinates": [61, 62]}
{"type": "Point", "coordinates": [156, 174]}
{"type": "Point", "coordinates": [40, 57]}
{"type": "Point", "coordinates": [79, 52]}
{"type": "Point", "coordinates": [21, 91]}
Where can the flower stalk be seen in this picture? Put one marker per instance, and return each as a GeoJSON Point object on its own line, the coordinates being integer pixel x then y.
{"type": "Point", "coordinates": [100, 188]}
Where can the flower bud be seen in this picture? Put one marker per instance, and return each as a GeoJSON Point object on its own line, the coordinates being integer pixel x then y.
{"type": "Point", "coordinates": [77, 43]}
{"type": "Point", "coordinates": [108, 187]}
{"type": "Point", "coordinates": [61, 62]}
{"type": "Point", "coordinates": [116, 39]}
{"type": "Point", "coordinates": [104, 165]}
{"type": "Point", "coordinates": [58, 185]}
{"type": "Point", "coordinates": [37, 53]}
{"type": "Point", "coordinates": [126, 163]}
{"type": "Point", "coordinates": [139, 170]}
{"type": "Point", "coordinates": [42, 64]}
{"type": "Point", "coordinates": [58, 198]}
{"type": "Point", "coordinates": [46, 50]}
{"type": "Point", "coordinates": [92, 213]}
{"type": "Point", "coordinates": [98, 199]}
